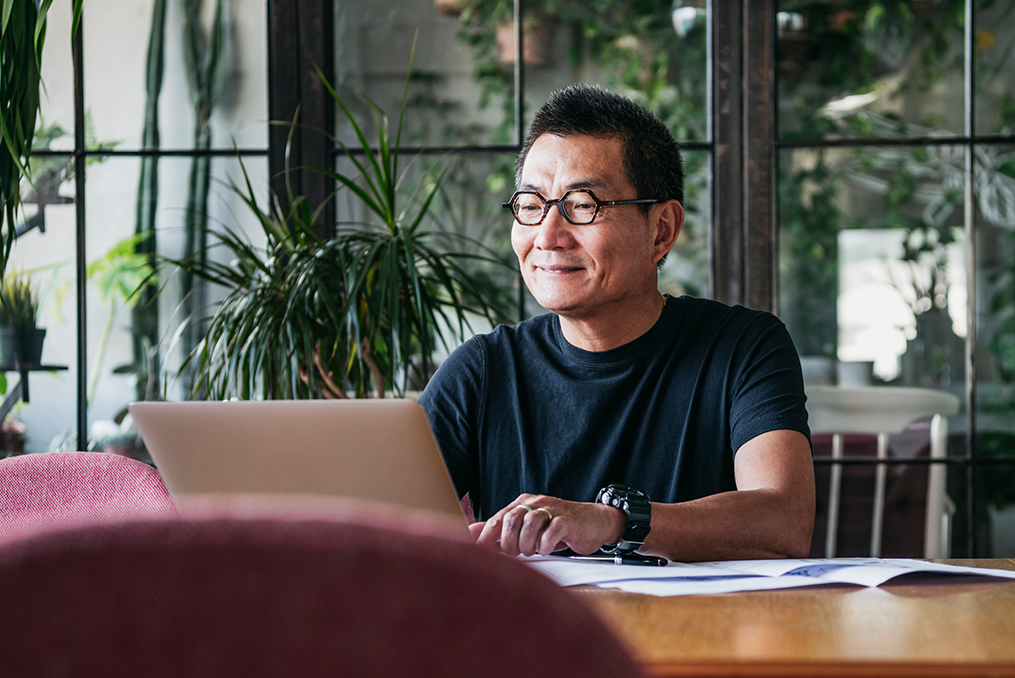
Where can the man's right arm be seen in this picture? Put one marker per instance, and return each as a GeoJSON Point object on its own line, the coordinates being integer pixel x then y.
{"type": "Point", "coordinates": [769, 515]}
{"type": "Point", "coordinates": [452, 401]}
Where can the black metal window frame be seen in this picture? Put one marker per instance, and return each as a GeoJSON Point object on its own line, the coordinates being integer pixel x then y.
{"type": "Point", "coordinates": [743, 145]}
{"type": "Point", "coordinates": [760, 275]}
{"type": "Point", "coordinates": [80, 154]}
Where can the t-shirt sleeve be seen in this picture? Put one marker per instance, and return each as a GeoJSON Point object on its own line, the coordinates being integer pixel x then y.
{"type": "Point", "coordinates": [453, 402]}
{"type": "Point", "coordinates": [768, 392]}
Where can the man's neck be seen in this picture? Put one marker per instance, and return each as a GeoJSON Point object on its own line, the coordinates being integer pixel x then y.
{"type": "Point", "coordinates": [606, 330]}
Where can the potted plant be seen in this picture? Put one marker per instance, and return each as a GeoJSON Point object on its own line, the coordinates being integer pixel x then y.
{"type": "Point", "coordinates": [359, 313]}
{"type": "Point", "coordinates": [20, 337]}
{"type": "Point", "coordinates": [451, 7]}
{"type": "Point", "coordinates": [480, 16]}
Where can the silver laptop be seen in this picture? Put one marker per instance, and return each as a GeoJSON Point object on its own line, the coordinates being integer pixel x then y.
{"type": "Point", "coordinates": [381, 450]}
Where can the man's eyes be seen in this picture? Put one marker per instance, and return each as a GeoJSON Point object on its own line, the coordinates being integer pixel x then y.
{"type": "Point", "coordinates": [581, 207]}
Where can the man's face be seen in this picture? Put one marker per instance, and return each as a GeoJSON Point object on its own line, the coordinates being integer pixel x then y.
{"type": "Point", "coordinates": [579, 271]}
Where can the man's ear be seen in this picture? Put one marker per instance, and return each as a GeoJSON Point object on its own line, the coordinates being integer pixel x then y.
{"type": "Point", "coordinates": [668, 225]}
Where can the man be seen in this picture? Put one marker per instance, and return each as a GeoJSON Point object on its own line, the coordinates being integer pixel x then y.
{"type": "Point", "coordinates": [624, 419]}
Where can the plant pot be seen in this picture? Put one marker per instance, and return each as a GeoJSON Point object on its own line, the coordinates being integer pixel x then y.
{"type": "Point", "coordinates": [924, 6]}
{"type": "Point", "coordinates": [21, 345]}
{"type": "Point", "coordinates": [537, 42]}
{"type": "Point", "coordinates": [451, 7]}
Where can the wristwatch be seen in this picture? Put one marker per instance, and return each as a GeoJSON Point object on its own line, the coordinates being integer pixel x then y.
{"type": "Point", "coordinates": [638, 510]}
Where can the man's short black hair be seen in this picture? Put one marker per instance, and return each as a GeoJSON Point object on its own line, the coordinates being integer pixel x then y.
{"type": "Point", "coordinates": [652, 159]}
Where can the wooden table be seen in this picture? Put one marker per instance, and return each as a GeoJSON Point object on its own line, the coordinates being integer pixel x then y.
{"type": "Point", "coordinates": [962, 627]}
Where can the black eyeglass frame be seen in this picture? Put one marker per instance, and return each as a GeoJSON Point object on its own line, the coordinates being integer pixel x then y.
{"type": "Point", "coordinates": [559, 202]}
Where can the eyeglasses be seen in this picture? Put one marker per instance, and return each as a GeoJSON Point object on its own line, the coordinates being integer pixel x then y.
{"type": "Point", "coordinates": [579, 206]}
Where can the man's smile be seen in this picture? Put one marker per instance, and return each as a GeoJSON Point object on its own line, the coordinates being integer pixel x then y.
{"type": "Point", "coordinates": [559, 268]}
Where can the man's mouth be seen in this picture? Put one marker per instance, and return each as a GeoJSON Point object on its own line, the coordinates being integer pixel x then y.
{"type": "Point", "coordinates": [558, 269]}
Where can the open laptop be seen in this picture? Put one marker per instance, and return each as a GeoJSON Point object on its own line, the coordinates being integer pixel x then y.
{"type": "Point", "coordinates": [378, 449]}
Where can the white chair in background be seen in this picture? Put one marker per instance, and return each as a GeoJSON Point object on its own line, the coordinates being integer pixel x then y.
{"type": "Point", "coordinates": [885, 410]}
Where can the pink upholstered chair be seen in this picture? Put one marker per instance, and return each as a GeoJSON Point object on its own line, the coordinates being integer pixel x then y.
{"type": "Point", "coordinates": [466, 502]}
{"type": "Point", "coordinates": [259, 596]}
{"type": "Point", "coordinates": [41, 491]}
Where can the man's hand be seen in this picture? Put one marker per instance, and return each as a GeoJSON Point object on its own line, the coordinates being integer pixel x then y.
{"type": "Point", "coordinates": [537, 524]}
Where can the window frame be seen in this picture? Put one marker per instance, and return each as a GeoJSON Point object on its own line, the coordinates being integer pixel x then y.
{"type": "Point", "coordinates": [743, 147]}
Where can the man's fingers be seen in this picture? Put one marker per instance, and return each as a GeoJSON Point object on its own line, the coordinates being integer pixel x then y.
{"type": "Point", "coordinates": [552, 538]}
{"type": "Point", "coordinates": [512, 522]}
{"type": "Point", "coordinates": [526, 526]}
{"type": "Point", "coordinates": [532, 527]}
{"type": "Point", "coordinates": [489, 535]}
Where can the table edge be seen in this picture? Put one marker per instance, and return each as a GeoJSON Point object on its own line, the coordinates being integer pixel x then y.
{"type": "Point", "coordinates": [836, 669]}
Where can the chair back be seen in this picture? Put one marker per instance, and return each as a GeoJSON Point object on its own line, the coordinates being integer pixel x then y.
{"type": "Point", "coordinates": [252, 597]}
{"type": "Point", "coordinates": [884, 410]}
{"type": "Point", "coordinates": [42, 491]}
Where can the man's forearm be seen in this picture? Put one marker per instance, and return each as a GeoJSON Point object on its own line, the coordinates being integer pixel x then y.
{"type": "Point", "coordinates": [771, 515]}
{"type": "Point", "coordinates": [732, 526]}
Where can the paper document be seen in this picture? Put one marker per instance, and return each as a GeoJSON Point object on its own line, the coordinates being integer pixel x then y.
{"type": "Point", "coordinates": [742, 575]}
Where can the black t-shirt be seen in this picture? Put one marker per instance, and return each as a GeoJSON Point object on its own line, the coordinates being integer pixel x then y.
{"type": "Point", "coordinates": [522, 410]}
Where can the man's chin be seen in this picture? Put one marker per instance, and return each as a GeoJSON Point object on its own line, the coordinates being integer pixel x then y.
{"type": "Point", "coordinates": [558, 305]}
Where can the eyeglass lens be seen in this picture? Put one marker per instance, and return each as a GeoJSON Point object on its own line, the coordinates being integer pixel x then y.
{"type": "Point", "coordinates": [579, 207]}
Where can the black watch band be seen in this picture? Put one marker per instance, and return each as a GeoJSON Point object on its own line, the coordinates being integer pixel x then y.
{"type": "Point", "coordinates": [638, 510]}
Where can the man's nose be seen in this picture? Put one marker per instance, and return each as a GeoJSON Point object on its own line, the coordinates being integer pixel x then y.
{"type": "Point", "coordinates": [555, 231]}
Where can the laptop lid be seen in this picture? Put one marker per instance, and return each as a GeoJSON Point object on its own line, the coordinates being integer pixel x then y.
{"type": "Point", "coordinates": [377, 449]}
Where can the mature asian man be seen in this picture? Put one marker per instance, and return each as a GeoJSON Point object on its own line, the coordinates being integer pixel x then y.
{"type": "Point", "coordinates": [625, 419]}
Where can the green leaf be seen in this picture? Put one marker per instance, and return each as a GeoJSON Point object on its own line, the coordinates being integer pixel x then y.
{"type": "Point", "coordinates": [40, 29]}
{"type": "Point", "coordinates": [76, 19]}
{"type": "Point", "coordinates": [4, 20]}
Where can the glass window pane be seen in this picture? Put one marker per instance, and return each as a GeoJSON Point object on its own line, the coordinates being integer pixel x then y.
{"type": "Point", "coordinates": [57, 100]}
{"type": "Point", "coordinates": [121, 369]}
{"type": "Point", "coordinates": [112, 198]}
{"type": "Point", "coordinates": [996, 515]}
{"type": "Point", "coordinates": [871, 266]}
{"type": "Point", "coordinates": [995, 68]}
{"type": "Point", "coordinates": [686, 267]}
{"type": "Point", "coordinates": [995, 280]}
{"type": "Point", "coordinates": [995, 343]}
{"type": "Point", "coordinates": [452, 100]}
{"type": "Point", "coordinates": [869, 69]}
{"type": "Point", "coordinates": [47, 253]}
{"type": "Point", "coordinates": [198, 106]}
{"type": "Point", "coordinates": [463, 91]}
{"type": "Point", "coordinates": [53, 176]}
{"type": "Point", "coordinates": [465, 215]}
{"type": "Point", "coordinates": [653, 53]}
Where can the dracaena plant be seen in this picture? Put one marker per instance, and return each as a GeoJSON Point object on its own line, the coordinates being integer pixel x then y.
{"type": "Point", "coordinates": [360, 313]}
{"type": "Point", "coordinates": [22, 36]}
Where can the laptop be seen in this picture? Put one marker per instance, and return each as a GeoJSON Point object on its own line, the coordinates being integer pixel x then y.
{"type": "Point", "coordinates": [377, 449]}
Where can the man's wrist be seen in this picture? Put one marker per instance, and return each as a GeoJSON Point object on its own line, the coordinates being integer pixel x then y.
{"type": "Point", "coordinates": [637, 511]}
{"type": "Point", "coordinates": [616, 519]}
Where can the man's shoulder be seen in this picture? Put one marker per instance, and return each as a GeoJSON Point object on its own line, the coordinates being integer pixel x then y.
{"type": "Point", "coordinates": [502, 338]}
{"type": "Point", "coordinates": [695, 310]}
